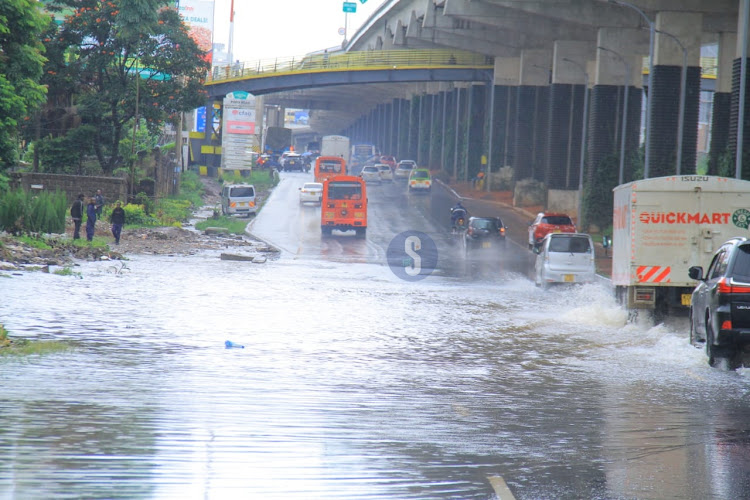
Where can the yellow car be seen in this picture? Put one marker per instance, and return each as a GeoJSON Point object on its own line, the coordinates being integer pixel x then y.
{"type": "Point", "coordinates": [420, 180]}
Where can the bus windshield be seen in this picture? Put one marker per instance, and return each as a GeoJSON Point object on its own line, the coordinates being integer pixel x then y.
{"type": "Point", "coordinates": [344, 191]}
{"type": "Point", "coordinates": [330, 166]}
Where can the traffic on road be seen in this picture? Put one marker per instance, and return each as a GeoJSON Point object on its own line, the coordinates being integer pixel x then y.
{"type": "Point", "coordinates": [386, 366]}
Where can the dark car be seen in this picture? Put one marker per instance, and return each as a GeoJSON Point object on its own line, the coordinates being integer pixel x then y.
{"type": "Point", "coordinates": [293, 161]}
{"type": "Point", "coordinates": [484, 233]}
{"type": "Point", "coordinates": [720, 304]}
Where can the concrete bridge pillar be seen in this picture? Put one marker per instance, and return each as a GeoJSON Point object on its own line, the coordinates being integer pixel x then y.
{"type": "Point", "coordinates": [722, 104]}
{"type": "Point", "coordinates": [532, 107]}
{"type": "Point", "coordinates": [618, 64]}
{"type": "Point", "coordinates": [412, 142]}
{"type": "Point", "coordinates": [460, 101]}
{"type": "Point", "coordinates": [566, 113]}
{"type": "Point", "coordinates": [507, 74]}
{"type": "Point", "coordinates": [449, 120]}
{"type": "Point", "coordinates": [438, 132]}
{"type": "Point", "coordinates": [475, 113]}
{"type": "Point", "coordinates": [424, 129]}
{"type": "Point", "coordinates": [735, 105]}
{"type": "Point", "coordinates": [665, 108]}
{"type": "Point", "coordinates": [404, 115]}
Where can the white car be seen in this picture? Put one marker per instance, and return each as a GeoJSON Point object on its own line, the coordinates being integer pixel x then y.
{"type": "Point", "coordinates": [370, 173]}
{"type": "Point", "coordinates": [386, 174]}
{"type": "Point", "coordinates": [565, 258]}
{"type": "Point", "coordinates": [404, 168]}
{"type": "Point", "coordinates": [311, 192]}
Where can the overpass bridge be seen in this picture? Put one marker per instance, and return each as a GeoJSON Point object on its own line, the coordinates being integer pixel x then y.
{"type": "Point", "coordinates": [521, 102]}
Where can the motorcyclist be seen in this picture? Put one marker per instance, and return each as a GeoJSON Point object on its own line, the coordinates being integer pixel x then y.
{"type": "Point", "coordinates": [457, 212]}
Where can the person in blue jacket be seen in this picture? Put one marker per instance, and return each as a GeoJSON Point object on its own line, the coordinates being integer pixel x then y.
{"type": "Point", "coordinates": [90, 219]}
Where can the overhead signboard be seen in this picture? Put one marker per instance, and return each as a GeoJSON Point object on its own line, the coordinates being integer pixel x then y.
{"type": "Point", "coordinates": [350, 7]}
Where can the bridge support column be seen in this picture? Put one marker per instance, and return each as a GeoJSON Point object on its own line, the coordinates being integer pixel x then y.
{"type": "Point", "coordinates": [532, 106]}
{"type": "Point", "coordinates": [615, 74]}
{"type": "Point", "coordinates": [437, 132]}
{"type": "Point", "coordinates": [412, 143]}
{"type": "Point", "coordinates": [735, 105]}
{"type": "Point", "coordinates": [507, 74]}
{"type": "Point", "coordinates": [459, 135]}
{"type": "Point", "coordinates": [722, 105]}
{"type": "Point", "coordinates": [566, 114]}
{"type": "Point", "coordinates": [475, 124]}
{"type": "Point", "coordinates": [449, 119]}
{"type": "Point", "coordinates": [665, 108]}
{"type": "Point", "coordinates": [425, 129]}
{"type": "Point", "coordinates": [404, 116]}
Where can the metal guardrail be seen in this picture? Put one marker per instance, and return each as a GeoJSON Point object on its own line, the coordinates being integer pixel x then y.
{"type": "Point", "coordinates": [350, 61]}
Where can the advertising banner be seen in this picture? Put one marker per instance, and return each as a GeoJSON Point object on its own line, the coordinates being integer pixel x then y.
{"type": "Point", "coordinates": [199, 16]}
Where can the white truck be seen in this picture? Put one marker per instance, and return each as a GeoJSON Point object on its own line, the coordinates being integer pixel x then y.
{"type": "Point", "coordinates": [664, 225]}
{"type": "Point", "coordinates": [335, 145]}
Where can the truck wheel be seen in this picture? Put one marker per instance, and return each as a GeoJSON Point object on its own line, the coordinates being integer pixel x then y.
{"type": "Point", "coordinates": [326, 231]}
{"type": "Point", "coordinates": [361, 232]}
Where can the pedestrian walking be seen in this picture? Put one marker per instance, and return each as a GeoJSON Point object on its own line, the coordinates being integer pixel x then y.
{"type": "Point", "coordinates": [99, 202]}
{"type": "Point", "coordinates": [76, 212]}
{"type": "Point", "coordinates": [118, 220]}
{"type": "Point", "coordinates": [90, 219]}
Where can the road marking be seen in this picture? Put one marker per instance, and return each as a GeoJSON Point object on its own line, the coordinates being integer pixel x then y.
{"type": "Point", "coordinates": [501, 489]}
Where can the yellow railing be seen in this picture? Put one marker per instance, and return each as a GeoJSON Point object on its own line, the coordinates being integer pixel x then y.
{"type": "Point", "coordinates": [350, 61]}
{"type": "Point", "coordinates": [375, 59]}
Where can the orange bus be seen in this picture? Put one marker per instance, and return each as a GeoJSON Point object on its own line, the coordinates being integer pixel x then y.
{"type": "Point", "coordinates": [344, 205]}
{"type": "Point", "coordinates": [329, 166]}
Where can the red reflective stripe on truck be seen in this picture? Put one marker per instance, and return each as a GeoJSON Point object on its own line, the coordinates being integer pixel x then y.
{"type": "Point", "coordinates": [653, 274]}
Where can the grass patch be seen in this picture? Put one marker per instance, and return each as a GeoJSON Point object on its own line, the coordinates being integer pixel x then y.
{"type": "Point", "coordinates": [25, 347]}
{"type": "Point", "coordinates": [233, 224]}
{"type": "Point", "coordinates": [38, 242]}
{"type": "Point", "coordinates": [68, 271]}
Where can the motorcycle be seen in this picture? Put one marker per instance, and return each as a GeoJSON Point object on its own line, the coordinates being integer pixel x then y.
{"type": "Point", "coordinates": [458, 220]}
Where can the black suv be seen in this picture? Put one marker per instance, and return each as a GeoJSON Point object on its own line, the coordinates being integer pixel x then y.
{"type": "Point", "coordinates": [720, 305]}
{"type": "Point", "coordinates": [484, 233]}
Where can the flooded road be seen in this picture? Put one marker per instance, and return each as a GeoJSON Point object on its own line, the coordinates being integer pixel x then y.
{"type": "Point", "coordinates": [353, 383]}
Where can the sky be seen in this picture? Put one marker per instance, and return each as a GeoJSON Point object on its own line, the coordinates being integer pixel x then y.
{"type": "Point", "coordinates": [267, 29]}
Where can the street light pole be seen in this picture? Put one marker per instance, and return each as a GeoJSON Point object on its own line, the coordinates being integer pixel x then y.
{"type": "Point", "coordinates": [584, 128]}
{"type": "Point", "coordinates": [649, 102]}
{"type": "Point", "coordinates": [621, 177]}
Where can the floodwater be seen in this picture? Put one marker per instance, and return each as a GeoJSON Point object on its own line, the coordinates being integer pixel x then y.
{"type": "Point", "coordinates": [354, 383]}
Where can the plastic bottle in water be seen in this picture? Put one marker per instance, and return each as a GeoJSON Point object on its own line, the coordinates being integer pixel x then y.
{"type": "Point", "coordinates": [230, 345]}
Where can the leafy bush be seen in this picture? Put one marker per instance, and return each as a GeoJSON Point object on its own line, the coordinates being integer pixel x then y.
{"type": "Point", "coordinates": [146, 202]}
{"type": "Point", "coordinates": [171, 211]}
{"type": "Point", "coordinates": [136, 215]}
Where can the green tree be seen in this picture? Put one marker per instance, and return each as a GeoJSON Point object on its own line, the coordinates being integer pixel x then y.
{"type": "Point", "coordinates": [21, 62]}
{"type": "Point", "coordinates": [124, 55]}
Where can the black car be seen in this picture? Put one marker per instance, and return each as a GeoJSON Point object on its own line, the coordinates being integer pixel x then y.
{"type": "Point", "coordinates": [293, 161]}
{"type": "Point", "coordinates": [720, 304]}
{"type": "Point", "coordinates": [484, 233]}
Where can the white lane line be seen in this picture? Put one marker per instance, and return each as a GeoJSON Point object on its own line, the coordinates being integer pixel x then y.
{"type": "Point", "coordinates": [501, 489]}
